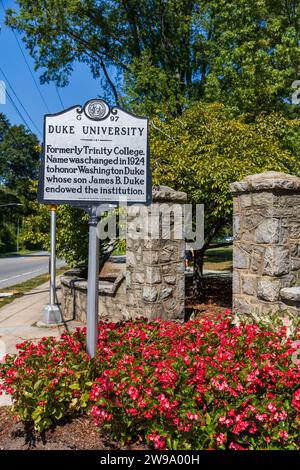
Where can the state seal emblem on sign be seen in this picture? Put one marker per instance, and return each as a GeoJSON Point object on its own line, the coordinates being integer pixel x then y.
{"type": "Point", "coordinates": [96, 109]}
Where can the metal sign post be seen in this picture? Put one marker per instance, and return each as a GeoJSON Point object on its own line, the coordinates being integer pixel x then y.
{"type": "Point", "coordinates": [51, 313]}
{"type": "Point", "coordinates": [93, 284]}
{"type": "Point", "coordinates": [53, 255]}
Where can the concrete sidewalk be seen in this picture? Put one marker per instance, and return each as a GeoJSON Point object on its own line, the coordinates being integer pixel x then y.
{"type": "Point", "coordinates": [18, 322]}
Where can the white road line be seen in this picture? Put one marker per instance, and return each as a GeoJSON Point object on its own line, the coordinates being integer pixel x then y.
{"type": "Point", "coordinates": [21, 275]}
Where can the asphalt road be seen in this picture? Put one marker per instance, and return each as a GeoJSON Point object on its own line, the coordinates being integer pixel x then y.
{"type": "Point", "coordinates": [17, 269]}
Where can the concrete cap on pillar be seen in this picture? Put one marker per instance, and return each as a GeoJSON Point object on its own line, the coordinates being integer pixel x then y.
{"type": "Point", "coordinates": [268, 181]}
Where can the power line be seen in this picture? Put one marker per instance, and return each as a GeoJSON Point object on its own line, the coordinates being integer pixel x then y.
{"type": "Point", "coordinates": [58, 94]}
{"type": "Point", "coordinates": [28, 66]}
{"type": "Point", "coordinates": [34, 80]}
{"type": "Point", "coordinates": [21, 104]}
{"type": "Point", "coordinates": [17, 110]}
{"type": "Point", "coordinates": [7, 125]}
{"type": "Point", "coordinates": [26, 62]}
{"type": "Point", "coordinates": [30, 71]}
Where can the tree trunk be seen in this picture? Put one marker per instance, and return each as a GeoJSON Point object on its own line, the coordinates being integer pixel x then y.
{"type": "Point", "coordinates": [198, 278]}
{"type": "Point", "coordinates": [198, 281]}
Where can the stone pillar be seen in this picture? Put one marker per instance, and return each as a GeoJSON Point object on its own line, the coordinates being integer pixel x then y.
{"type": "Point", "coordinates": [266, 248]}
{"type": "Point", "coordinates": [155, 266]}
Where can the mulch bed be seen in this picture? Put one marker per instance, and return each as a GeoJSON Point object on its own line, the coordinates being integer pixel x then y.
{"type": "Point", "coordinates": [80, 433]}
{"type": "Point", "coordinates": [216, 298]}
{"type": "Point", "coordinates": [73, 434]}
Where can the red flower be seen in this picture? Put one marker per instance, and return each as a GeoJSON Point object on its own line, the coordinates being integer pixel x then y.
{"type": "Point", "coordinates": [221, 439]}
{"type": "Point", "coordinates": [271, 407]}
{"type": "Point", "coordinates": [296, 400]}
{"type": "Point", "coordinates": [236, 446]}
{"type": "Point", "coordinates": [159, 441]}
{"type": "Point", "coordinates": [193, 416]}
{"type": "Point", "coordinates": [133, 392]}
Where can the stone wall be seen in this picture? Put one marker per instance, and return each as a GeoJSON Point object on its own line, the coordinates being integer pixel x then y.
{"type": "Point", "coordinates": [112, 297]}
{"type": "Point", "coordinates": [155, 267]}
{"type": "Point", "coordinates": [152, 283]}
{"type": "Point", "coordinates": [266, 253]}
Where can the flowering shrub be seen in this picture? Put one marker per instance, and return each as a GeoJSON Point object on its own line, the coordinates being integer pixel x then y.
{"type": "Point", "coordinates": [49, 380]}
{"type": "Point", "coordinates": [201, 385]}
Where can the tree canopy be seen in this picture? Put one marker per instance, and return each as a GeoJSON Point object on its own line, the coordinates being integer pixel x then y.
{"type": "Point", "coordinates": [19, 155]}
{"type": "Point", "coordinates": [72, 228]}
{"type": "Point", "coordinates": [162, 54]}
{"type": "Point", "coordinates": [4, 126]}
{"type": "Point", "coordinates": [204, 150]}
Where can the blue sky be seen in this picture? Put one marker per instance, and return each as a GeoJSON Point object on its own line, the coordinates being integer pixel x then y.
{"type": "Point", "coordinates": [82, 86]}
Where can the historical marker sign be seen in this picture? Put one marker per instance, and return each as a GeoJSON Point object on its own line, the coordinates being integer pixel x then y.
{"type": "Point", "coordinates": [95, 154]}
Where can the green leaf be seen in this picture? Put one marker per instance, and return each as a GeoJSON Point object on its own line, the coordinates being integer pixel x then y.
{"type": "Point", "coordinates": [37, 384]}
{"type": "Point", "coordinates": [74, 386]}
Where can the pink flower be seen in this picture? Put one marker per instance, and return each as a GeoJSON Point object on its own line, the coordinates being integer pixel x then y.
{"type": "Point", "coordinates": [261, 416]}
{"type": "Point", "coordinates": [220, 385]}
{"type": "Point", "coordinates": [253, 429]}
{"type": "Point", "coordinates": [149, 414]}
{"type": "Point", "coordinates": [133, 392]}
{"type": "Point", "coordinates": [271, 407]}
{"type": "Point", "coordinates": [159, 441]}
{"type": "Point", "coordinates": [193, 416]}
{"type": "Point", "coordinates": [240, 426]}
{"type": "Point", "coordinates": [132, 411]}
{"type": "Point", "coordinates": [296, 400]}
{"type": "Point", "coordinates": [252, 408]}
{"type": "Point", "coordinates": [236, 446]}
{"type": "Point", "coordinates": [100, 415]}
{"type": "Point", "coordinates": [221, 438]}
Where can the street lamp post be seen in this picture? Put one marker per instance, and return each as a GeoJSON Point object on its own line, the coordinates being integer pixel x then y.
{"type": "Point", "coordinates": [52, 313]}
{"type": "Point", "coordinates": [18, 234]}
